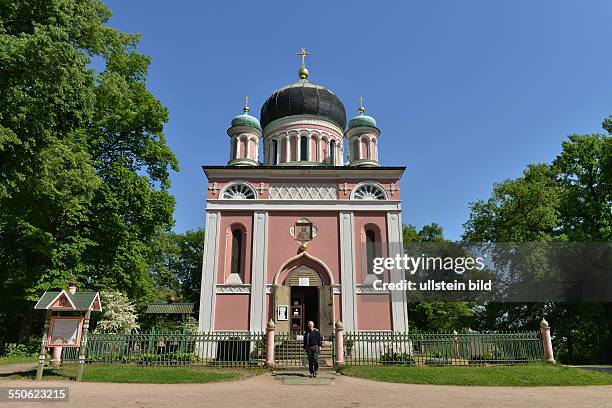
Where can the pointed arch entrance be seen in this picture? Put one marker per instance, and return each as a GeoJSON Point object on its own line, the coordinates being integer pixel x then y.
{"type": "Point", "coordinates": [304, 284]}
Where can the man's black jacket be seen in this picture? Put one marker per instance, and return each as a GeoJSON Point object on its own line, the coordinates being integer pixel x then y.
{"type": "Point", "coordinates": [313, 338]}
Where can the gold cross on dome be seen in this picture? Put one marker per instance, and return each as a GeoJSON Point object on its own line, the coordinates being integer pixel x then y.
{"type": "Point", "coordinates": [303, 53]}
{"type": "Point", "coordinates": [246, 104]}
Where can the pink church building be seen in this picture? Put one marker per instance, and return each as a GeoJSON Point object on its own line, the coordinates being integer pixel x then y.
{"type": "Point", "coordinates": [289, 220]}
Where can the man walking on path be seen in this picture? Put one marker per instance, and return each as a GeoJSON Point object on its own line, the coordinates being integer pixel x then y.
{"type": "Point", "coordinates": [312, 344]}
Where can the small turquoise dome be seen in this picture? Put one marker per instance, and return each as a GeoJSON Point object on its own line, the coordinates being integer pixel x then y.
{"type": "Point", "coordinates": [246, 120]}
{"type": "Point", "coordinates": [362, 120]}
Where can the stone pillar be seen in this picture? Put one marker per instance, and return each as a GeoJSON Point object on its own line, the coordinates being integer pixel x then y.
{"type": "Point", "coordinates": [209, 271]}
{"type": "Point", "coordinates": [270, 344]}
{"type": "Point", "coordinates": [339, 343]}
{"type": "Point", "coordinates": [347, 270]}
{"type": "Point", "coordinates": [399, 307]}
{"type": "Point", "coordinates": [257, 320]}
{"type": "Point", "coordinates": [547, 342]}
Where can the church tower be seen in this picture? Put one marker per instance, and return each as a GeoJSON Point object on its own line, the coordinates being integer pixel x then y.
{"type": "Point", "coordinates": [291, 227]}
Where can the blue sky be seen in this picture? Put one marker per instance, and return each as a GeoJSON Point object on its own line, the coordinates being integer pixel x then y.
{"type": "Point", "coordinates": [466, 93]}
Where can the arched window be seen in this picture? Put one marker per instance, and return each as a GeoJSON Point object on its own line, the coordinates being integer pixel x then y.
{"type": "Point", "coordinates": [370, 237]}
{"type": "Point", "coordinates": [236, 260]}
{"type": "Point", "coordinates": [332, 152]}
{"type": "Point", "coordinates": [235, 149]}
{"type": "Point", "coordinates": [356, 155]}
{"type": "Point", "coordinates": [369, 192]}
{"type": "Point", "coordinates": [273, 151]}
{"type": "Point", "coordinates": [303, 148]}
{"type": "Point", "coordinates": [239, 191]}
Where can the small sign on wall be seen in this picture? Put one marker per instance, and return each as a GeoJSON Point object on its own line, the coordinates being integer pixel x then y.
{"type": "Point", "coordinates": [281, 312]}
{"type": "Point", "coordinates": [304, 281]}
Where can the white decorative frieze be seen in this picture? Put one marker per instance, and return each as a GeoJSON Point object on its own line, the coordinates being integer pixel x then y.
{"type": "Point", "coordinates": [303, 192]}
{"type": "Point", "coordinates": [232, 289]}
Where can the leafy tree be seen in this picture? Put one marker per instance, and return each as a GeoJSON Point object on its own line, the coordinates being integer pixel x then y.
{"type": "Point", "coordinates": [178, 266]}
{"type": "Point", "coordinates": [188, 265]}
{"type": "Point", "coordinates": [118, 314]}
{"type": "Point", "coordinates": [435, 316]}
{"type": "Point", "coordinates": [568, 200]}
{"type": "Point", "coordinates": [84, 166]}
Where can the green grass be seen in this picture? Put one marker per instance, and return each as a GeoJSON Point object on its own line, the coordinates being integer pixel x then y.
{"type": "Point", "coordinates": [521, 376]}
{"type": "Point", "coordinates": [18, 360]}
{"type": "Point", "coordinates": [139, 374]}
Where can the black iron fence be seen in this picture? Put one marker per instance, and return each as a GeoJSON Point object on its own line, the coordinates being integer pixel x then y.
{"type": "Point", "coordinates": [441, 349]}
{"type": "Point", "coordinates": [226, 349]}
{"type": "Point", "coordinates": [244, 349]}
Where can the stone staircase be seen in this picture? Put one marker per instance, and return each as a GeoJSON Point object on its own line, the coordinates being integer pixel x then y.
{"type": "Point", "coordinates": [289, 353]}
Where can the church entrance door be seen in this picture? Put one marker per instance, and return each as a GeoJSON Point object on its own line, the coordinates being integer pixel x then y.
{"type": "Point", "coordinates": [304, 308]}
{"type": "Point", "coordinates": [307, 297]}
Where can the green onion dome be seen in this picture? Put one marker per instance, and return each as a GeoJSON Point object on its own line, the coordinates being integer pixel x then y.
{"type": "Point", "coordinates": [361, 120]}
{"type": "Point", "coordinates": [246, 120]}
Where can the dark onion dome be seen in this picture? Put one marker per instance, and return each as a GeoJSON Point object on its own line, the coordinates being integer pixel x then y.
{"type": "Point", "coordinates": [303, 98]}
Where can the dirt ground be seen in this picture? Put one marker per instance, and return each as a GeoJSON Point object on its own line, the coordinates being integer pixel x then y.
{"type": "Point", "coordinates": [343, 392]}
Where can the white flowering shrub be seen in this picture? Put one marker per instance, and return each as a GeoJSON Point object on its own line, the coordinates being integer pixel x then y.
{"type": "Point", "coordinates": [118, 314]}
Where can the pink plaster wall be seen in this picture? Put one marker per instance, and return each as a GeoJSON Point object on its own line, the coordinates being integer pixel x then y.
{"type": "Point", "coordinates": [232, 312]}
{"type": "Point", "coordinates": [313, 149]}
{"type": "Point", "coordinates": [293, 148]}
{"type": "Point", "coordinates": [374, 314]}
{"type": "Point", "coordinates": [229, 218]}
{"type": "Point", "coordinates": [323, 151]}
{"type": "Point", "coordinates": [283, 145]}
{"type": "Point", "coordinates": [282, 246]}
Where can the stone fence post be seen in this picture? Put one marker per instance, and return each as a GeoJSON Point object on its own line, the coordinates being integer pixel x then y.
{"type": "Point", "coordinates": [547, 342]}
{"type": "Point", "coordinates": [455, 344]}
{"type": "Point", "coordinates": [339, 343]}
{"type": "Point", "coordinates": [270, 344]}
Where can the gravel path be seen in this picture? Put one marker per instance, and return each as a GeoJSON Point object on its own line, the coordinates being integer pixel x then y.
{"type": "Point", "coordinates": [343, 392]}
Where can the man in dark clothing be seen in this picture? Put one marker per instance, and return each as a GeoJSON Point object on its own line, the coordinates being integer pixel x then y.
{"type": "Point", "coordinates": [312, 343]}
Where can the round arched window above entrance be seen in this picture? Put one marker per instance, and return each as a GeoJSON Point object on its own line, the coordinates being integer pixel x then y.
{"type": "Point", "coordinates": [369, 192]}
{"type": "Point", "coordinates": [239, 191]}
